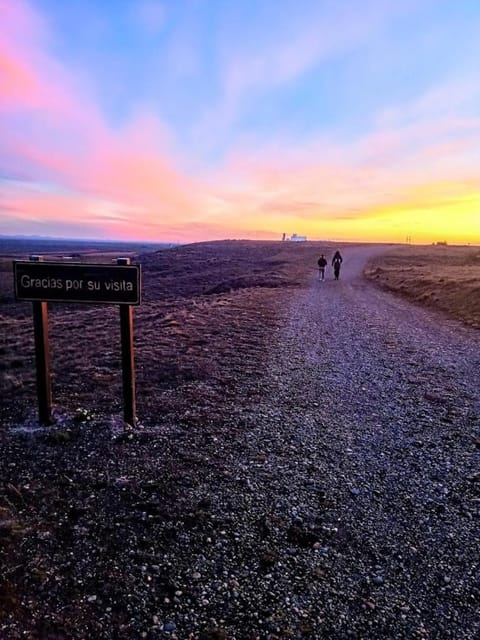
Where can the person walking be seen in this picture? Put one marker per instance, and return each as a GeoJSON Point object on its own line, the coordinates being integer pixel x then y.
{"type": "Point", "coordinates": [336, 264]}
{"type": "Point", "coordinates": [322, 263]}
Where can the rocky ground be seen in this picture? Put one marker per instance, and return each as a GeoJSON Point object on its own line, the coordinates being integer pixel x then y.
{"type": "Point", "coordinates": [323, 482]}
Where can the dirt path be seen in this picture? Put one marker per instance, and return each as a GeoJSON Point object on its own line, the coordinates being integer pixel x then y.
{"type": "Point", "coordinates": [381, 405]}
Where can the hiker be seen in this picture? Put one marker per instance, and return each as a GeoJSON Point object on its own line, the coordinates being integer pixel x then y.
{"type": "Point", "coordinates": [322, 263]}
{"type": "Point", "coordinates": [336, 263]}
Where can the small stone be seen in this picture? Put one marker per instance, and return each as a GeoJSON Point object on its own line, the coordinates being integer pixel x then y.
{"type": "Point", "coordinates": [377, 581]}
{"type": "Point", "coordinates": [196, 575]}
{"type": "Point", "coordinates": [169, 627]}
{"type": "Point", "coordinates": [92, 598]}
{"type": "Point", "coordinates": [354, 491]}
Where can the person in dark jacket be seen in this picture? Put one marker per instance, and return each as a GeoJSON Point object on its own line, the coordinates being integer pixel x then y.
{"type": "Point", "coordinates": [336, 264]}
{"type": "Point", "coordinates": [322, 263]}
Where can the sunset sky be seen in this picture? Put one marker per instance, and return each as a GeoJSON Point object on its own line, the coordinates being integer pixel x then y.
{"type": "Point", "coordinates": [186, 120]}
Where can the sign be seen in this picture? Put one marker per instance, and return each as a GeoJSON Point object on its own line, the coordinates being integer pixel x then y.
{"type": "Point", "coordinates": [93, 283]}
{"type": "Point", "coordinates": [43, 282]}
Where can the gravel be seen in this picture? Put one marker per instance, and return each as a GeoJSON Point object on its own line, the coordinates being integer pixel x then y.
{"type": "Point", "coordinates": [336, 496]}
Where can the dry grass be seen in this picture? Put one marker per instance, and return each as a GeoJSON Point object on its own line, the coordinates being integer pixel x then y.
{"type": "Point", "coordinates": [447, 278]}
{"type": "Point", "coordinates": [207, 312]}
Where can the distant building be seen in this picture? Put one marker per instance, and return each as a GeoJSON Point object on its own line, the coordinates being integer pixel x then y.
{"type": "Point", "coordinates": [295, 238]}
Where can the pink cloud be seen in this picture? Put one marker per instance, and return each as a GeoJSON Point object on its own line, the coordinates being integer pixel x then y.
{"type": "Point", "coordinates": [33, 81]}
{"type": "Point", "coordinates": [35, 206]}
{"type": "Point", "coordinates": [18, 82]}
{"type": "Point", "coordinates": [69, 143]}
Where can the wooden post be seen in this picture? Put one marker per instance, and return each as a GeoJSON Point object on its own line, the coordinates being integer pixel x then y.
{"type": "Point", "coordinates": [42, 358]}
{"type": "Point", "coordinates": [128, 364]}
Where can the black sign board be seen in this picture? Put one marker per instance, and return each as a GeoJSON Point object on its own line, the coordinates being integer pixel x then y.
{"type": "Point", "coordinates": [93, 283]}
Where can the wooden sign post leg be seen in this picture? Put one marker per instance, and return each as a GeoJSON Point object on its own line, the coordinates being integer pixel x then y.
{"type": "Point", "coordinates": [42, 358]}
{"type": "Point", "coordinates": [128, 363]}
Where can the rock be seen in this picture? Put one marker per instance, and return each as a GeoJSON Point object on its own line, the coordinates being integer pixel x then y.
{"type": "Point", "coordinates": [267, 559]}
{"type": "Point", "coordinates": [319, 572]}
{"type": "Point", "coordinates": [435, 397]}
{"type": "Point", "coordinates": [302, 537]}
{"type": "Point", "coordinates": [204, 503]}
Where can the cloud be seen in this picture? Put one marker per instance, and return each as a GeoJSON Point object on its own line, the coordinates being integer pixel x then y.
{"type": "Point", "coordinates": [285, 42]}
{"type": "Point", "coordinates": [32, 81]}
{"type": "Point", "coordinates": [51, 129]}
{"type": "Point", "coordinates": [150, 15]}
{"type": "Point", "coordinates": [418, 162]}
{"type": "Point", "coordinates": [210, 230]}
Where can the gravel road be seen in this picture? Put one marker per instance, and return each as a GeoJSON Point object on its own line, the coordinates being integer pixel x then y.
{"type": "Point", "coordinates": [376, 438]}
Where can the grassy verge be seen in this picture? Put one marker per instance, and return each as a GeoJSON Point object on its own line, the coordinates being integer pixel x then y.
{"type": "Point", "coordinates": [205, 321]}
{"type": "Point", "coordinates": [447, 278]}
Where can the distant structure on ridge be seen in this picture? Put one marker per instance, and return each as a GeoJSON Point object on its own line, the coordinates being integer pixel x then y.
{"type": "Point", "coordinates": [295, 238]}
